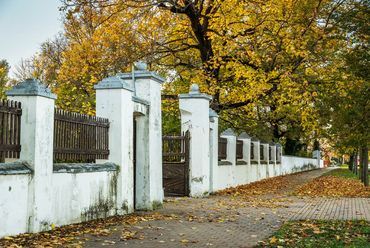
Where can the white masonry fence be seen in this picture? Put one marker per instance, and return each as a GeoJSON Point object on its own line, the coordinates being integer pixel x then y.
{"type": "Point", "coordinates": [215, 168]}
{"type": "Point", "coordinates": [35, 193]}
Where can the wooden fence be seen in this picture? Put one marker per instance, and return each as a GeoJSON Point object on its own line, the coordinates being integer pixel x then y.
{"type": "Point", "coordinates": [10, 128]}
{"type": "Point", "coordinates": [80, 138]}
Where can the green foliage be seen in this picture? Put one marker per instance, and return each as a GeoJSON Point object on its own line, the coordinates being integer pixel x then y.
{"type": "Point", "coordinates": [171, 122]}
{"type": "Point", "coordinates": [316, 145]}
{"type": "Point", "coordinates": [295, 148]}
{"type": "Point", "coordinates": [345, 107]}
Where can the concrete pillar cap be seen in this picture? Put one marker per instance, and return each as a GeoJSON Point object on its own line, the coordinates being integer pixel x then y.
{"type": "Point", "coordinates": [31, 87]}
{"type": "Point", "coordinates": [244, 135]}
{"type": "Point", "coordinates": [228, 132]}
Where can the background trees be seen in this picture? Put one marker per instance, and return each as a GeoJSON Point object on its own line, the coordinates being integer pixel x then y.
{"type": "Point", "coordinates": [268, 65]}
{"type": "Point", "coordinates": [345, 105]}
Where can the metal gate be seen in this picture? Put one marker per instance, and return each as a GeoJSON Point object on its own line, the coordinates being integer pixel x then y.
{"type": "Point", "coordinates": [175, 165]}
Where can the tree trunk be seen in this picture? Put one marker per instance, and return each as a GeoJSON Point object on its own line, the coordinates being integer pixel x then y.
{"type": "Point", "coordinates": [355, 162]}
{"type": "Point", "coordinates": [350, 165]}
{"type": "Point", "coordinates": [361, 170]}
{"type": "Point", "coordinates": [365, 162]}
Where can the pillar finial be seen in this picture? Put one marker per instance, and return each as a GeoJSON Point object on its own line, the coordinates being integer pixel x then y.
{"type": "Point", "coordinates": [194, 89]}
{"type": "Point", "coordinates": [141, 65]}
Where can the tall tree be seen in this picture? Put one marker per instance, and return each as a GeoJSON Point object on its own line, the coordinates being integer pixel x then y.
{"type": "Point", "coordinates": [345, 107]}
{"type": "Point", "coordinates": [261, 61]}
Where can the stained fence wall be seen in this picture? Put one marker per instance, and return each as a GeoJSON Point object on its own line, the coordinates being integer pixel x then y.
{"type": "Point", "coordinates": [79, 197]}
{"type": "Point", "coordinates": [232, 175]}
{"type": "Point", "coordinates": [292, 164]}
{"type": "Point", "coordinates": [36, 194]}
{"type": "Point", "coordinates": [13, 204]}
{"type": "Point", "coordinates": [233, 170]}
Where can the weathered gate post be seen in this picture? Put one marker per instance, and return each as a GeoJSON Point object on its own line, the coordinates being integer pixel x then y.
{"type": "Point", "coordinates": [279, 154]}
{"type": "Point", "coordinates": [272, 159]}
{"type": "Point", "coordinates": [213, 150]}
{"type": "Point", "coordinates": [149, 186]}
{"type": "Point", "coordinates": [194, 108]}
{"type": "Point", "coordinates": [37, 132]}
{"type": "Point", "coordinates": [316, 154]}
{"type": "Point", "coordinates": [255, 159]}
{"type": "Point", "coordinates": [114, 101]}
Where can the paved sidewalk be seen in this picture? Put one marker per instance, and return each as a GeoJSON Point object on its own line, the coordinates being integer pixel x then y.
{"type": "Point", "coordinates": [227, 222]}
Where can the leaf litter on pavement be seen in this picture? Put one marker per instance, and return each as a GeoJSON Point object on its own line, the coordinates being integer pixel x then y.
{"type": "Point", "coordinates": [323, 186]}
{"type": "Point", "coordinates": [74, 235]}
{"type": "Point", "coordinates": [270, 193]}
{"type": "Point", "coordinates": [331, 186]}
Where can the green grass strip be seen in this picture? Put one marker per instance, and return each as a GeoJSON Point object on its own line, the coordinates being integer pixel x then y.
{"type": "Point", "coordinates": [321, 233]}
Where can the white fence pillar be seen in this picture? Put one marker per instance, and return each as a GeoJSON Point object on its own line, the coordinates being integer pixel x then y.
{"type": "Point", "coordinates": [279, 153]}
{"type": "Point", "coordinates": [246, 153]}
{"type": "Point", "coordinates": [149, 186]}
{"type": "Point", "coordinates": [194, 109]}
{"type": "Point", "coordinates": [264, 167]}
{"type": "Point", "coordinates": [272, 159]}
{"type": "Point", "coordinates": [316, 154]}
{"type": "Point", "coordinates": [230, 135]}
{"type": "Point", "coordinates": [255, 159]}
{"type": "Point", "coordinates": [213, 150]}
{"type": "Point", "coordinates": [114, 101]}
{"type": "Point", "coordinates": [37, 132]}
{"type": "Point", "coordinates": [227, 170]}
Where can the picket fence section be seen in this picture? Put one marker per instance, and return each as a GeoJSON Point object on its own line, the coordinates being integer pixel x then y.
{"type": "Point", "coordinates": [10, 129]}
{"type": "Point", "coordinates": [80, 138]}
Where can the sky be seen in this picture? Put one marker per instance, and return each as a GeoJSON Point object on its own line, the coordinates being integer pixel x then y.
{"type": "Point", "coordinates": [24, 25]}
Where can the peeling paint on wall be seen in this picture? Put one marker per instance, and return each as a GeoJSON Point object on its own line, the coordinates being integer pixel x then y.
{"type": "Point", "coordinates": [197, 179]}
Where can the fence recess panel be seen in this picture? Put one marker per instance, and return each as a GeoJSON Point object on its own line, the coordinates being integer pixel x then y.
{"type": "Point", "coordinates": [222, 148]}
{"type": "Point", "coordinates": [10, 128]}
{"type": "Point", "coordinates": [252, 151]}
{"type": "Point", "coordinates": [239, 149]}
{"type": "Point", "coordinates": [175, 162]}
{"type": "Point", "coordinates": [80, 137]}
{"type": "Point", "coordinates": [261, 152]}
